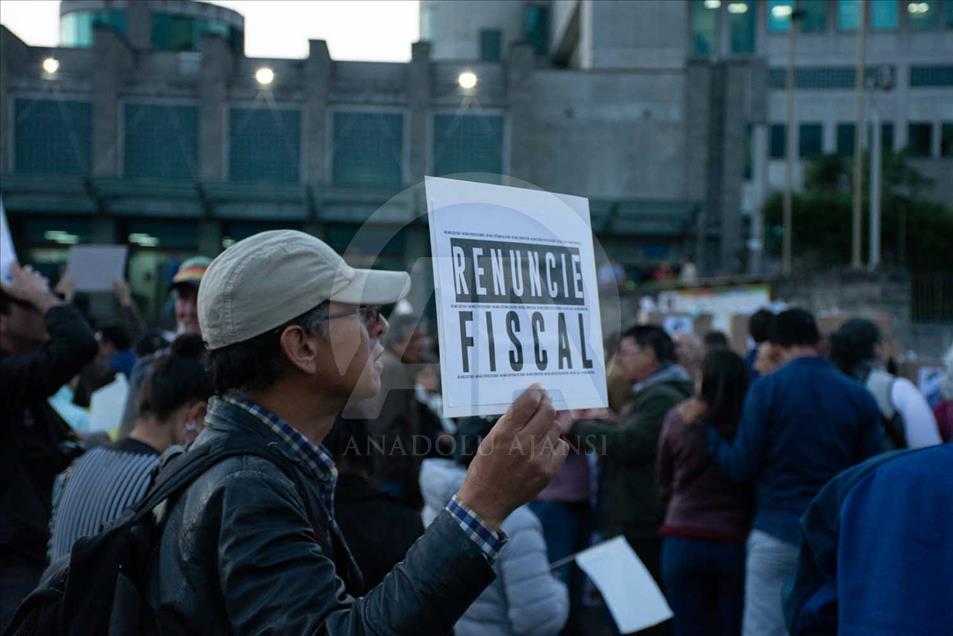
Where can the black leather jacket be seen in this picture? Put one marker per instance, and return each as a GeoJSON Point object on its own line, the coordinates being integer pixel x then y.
{"type": "Point", "coordinates": [238, 554]}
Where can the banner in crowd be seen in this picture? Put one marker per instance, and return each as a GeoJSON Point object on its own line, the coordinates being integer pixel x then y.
{"type": "Point", "coordinates": [517, 299]}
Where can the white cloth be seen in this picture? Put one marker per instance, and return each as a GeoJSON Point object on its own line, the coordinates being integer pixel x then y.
{"type": "Point", "coordinates": [918, 420]}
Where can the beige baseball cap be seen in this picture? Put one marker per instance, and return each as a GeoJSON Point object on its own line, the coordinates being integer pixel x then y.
{"type": "Point", "coordinates": [267, 279]}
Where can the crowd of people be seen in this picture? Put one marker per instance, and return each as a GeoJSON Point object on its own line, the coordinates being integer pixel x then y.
{"type": "Point", "coordinates": [800, 488]}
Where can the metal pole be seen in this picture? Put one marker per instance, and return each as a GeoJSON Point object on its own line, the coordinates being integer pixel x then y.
{"type": "Point", "coordinates": [855, 261]}
{"type": "Point", "coordinates": [788, 152]}
{"type": "Point", "coordinates": [875, 160]}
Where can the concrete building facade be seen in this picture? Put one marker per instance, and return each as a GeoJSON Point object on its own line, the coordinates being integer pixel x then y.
{"type": "Point", "coordinates": [155, 130]}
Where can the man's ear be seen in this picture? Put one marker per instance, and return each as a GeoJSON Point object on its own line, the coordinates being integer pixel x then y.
{"type": "Point", "coordinates": [300, 349]}
{"type": "Point", "coordinates": [196, 412]}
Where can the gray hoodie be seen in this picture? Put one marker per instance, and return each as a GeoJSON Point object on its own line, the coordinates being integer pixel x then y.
{"type": "Point", "coordinates": [525, 598]}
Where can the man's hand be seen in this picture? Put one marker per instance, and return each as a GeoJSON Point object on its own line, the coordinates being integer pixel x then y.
{"type": "Point", "coordinates": [692, 410]}
{"type": "Point", "coordinates": [519, 457]}
{"type": "Point", "coordinates": [30, 287]}
{"type": "Point", "coordinates": [66, 289]}
{"type": "Point", "coordinates": [123, 295]}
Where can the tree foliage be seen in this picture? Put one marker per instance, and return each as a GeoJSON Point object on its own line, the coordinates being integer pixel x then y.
{"type": "Point", "coordinates": [915, 233]}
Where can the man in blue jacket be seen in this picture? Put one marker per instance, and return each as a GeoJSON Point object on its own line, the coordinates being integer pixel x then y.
{"type": "Point", "coordinates": [801, 426]}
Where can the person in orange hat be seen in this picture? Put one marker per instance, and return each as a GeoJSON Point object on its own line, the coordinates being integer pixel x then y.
{"type": "Point", "coordinates": [185, 292]}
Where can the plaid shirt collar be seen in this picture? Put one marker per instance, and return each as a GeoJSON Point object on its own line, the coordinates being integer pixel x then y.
{"type": "Point", "coordinates": [315, 457]}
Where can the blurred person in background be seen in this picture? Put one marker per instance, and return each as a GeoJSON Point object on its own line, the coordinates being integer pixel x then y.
{"type": "Point", "coordinates": [876, 557]}
{"type": "Point", "coordinates": [525, 598]}
{"type": "Point", "coordinates": [689, 353]}
{"type": "Point", "coordinates": [715, 340]}
{"type": "Point", "coordinates": [564, 510]}
{"type": "Point", "coordinates": [105, 481]}
{"type": "Point", "coordinates": [856, 348]}
{"type": "Point", "coordinates": [800, 426]}
{"type": "Point", "coordinates": [708, 515]}
{"type": "Point", "coordinates": [629, 503]}
{"type": "Point", "coordinates": [759, 325]}
{"type": "Point", "coordinates": [943, 411]}
{"type": "Point", "coordinates": [379, 527]}
{"type": "Point", "coordinates": [402, 429]}
{"type": "Point", "coordinates": [184, 290]}
{"type": "Point", "coordinates": [43, 344]}
{"type": "Point", "coordinates": [115, 356]}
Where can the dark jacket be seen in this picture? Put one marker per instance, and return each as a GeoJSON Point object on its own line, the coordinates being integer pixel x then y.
{"type": "Point", "coordinates": [35, 443]}
{"type": "Point", "coordinates": [239, 554]}
{"type": "Point", "coordinates": [630, 504]}
{"type": "Point", "coordinates": [801, 425]}
{"type": "Point", "coordinates": [876, 557]}
{"type": "Point", "coordinates": [703, 501]}
{"type": "Point", "coordinates": [378, 528]}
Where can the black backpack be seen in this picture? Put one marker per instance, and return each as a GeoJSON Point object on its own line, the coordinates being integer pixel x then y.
{"type": "Point", "coordinates": [100, 586]}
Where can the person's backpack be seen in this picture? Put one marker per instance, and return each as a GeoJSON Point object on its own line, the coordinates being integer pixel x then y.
{"type": "Point", "coordinates": [880, 385]}
{"type": "Point", "coordinates": [100, 587]}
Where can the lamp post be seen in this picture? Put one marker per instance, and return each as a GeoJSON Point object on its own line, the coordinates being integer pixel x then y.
{"type": "Point", "coordinates": [855, 261]}
{"type": "Point", "coordinates": [795, 15]}
{"type": "Point", "coordinates": [883, 82]}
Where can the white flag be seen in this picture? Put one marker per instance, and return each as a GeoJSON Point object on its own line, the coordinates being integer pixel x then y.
{"type": "Point", "coordinates": [7, 254]}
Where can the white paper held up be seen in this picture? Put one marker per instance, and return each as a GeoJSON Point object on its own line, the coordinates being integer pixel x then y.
{"type": "Point", "coordinates": [94, 268]}
{"type": "Point", "coordinates": [7, 254]}
{"type": "Point", "coordinates": [106, 405]}
{"type": "Point", "coordinates": [628, 589]}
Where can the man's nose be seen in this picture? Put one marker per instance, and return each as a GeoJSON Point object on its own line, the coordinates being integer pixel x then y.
{"type": "Point", "coordinates": [381, 327]}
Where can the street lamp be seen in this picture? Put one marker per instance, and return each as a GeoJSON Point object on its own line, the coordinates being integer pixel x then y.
{"type": "Point", "coordinates": [467, 80]}
{"type": "Point", "coordinates": [795, 15]}
{"type": "Point", "coordinates": [264, 76]}
{"type": "Point", "coordinates": [51, 65]}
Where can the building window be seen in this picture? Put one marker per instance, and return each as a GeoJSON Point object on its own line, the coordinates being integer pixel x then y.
{"type": "Point", "coordinates": [884, 15]}
{"type": "Point", "coordinates": [176, 32]}
{"type": "Point", "coordinates": [815, 16]}
{"type": "Point", "coordinates": [705, 27]}
{"type": "Point", "coordinates": [922, 15]}
{"type": "Point", "coordinates": [536, 27]}
{"type": "Point", "coordinates": [886, 136]}
{"type": "Point", "coordinates": [368, 149]}
{"type": "Point", "coordinates": [920, 139]}
{"type": "Point", "coordinates": [779, 15]}
{"type": "Point", "coordinates": [264, 144]}
{"type": "Point", "coordinates": [825, 77]}
{"type": "Point", "coordinates": [845, 140]}
{"type": "Point", "coordinates": [948, 15]}
{"type": "Point", "coordinates": [52, 136]}
{"type": "Point", "coordinates": [742, 20]}
{"type": "Point", "coordinates": [848, 15]}
{"type": "Point", "coordinates": [76, 27]}
{"type": "Point", "coordinates": [946, 139]}
{"type": "Point", "coordinates": [467, 143]}
{"type": "Point", "coordinates": [921, 76]}
{"type": "Point", "coordinates": [810, 140]}
{"type": "Point", "coordinates": [491, 45]}
{"type": "Point", "coordinates": [777, 142]}
{"type": "Point", "coordinates": [160, 141]}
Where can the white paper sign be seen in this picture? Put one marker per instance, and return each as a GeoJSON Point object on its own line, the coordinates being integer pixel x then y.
{"type": "Point", "coordinates": [94, 268]}
{"type": "Point", "coordinates": [106, 405]}
{"type": "Point", "coordinates": [676, 325]}
{"type": "Point", "coordinates": [630, 592]}
{"type": "Point", "coordinates": [7, 254]}
{"type": "Point", "coordinates": [517, 297]}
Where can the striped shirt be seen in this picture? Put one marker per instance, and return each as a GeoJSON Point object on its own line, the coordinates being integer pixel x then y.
{"type": "Point", "coordinates": [97, 489]}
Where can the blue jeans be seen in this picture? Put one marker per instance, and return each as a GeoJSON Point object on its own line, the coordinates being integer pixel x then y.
{"type": "Point", "coordinates": [566, 530]}
{"type": "Point", "coordinates": [705, 585]}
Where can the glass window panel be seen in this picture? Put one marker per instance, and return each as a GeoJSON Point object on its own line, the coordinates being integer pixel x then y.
{"type": "Point", "coordinates": [922, 15]}
{"type": "Point", "coordinates": [814, 19]}
{"type": "Point", "coordinates": [845, 140]}
{"type": "Point", "coordinates": [777, 141]}
{"type": "Point", "coordinates": [886, 135]}
{"type": "Point", "coordinates": [264, 144]}
{"type": "Point", "coordinates": [742, 20]}
{"type": "Point", "coordinates": [368, 149]}
{"type": "Point", "coordinates": [848, 15]}
{"type": "Point", "coordinates": [468, 143]}
{"type": "Point", "coordinates": [779, 15]}
{"type": "Point", "coordinates": [535, 27]}
{"type": "Point", "coordinates": [884, 15]}
{"type": "Point", "coordinates": [946, 139]}
{"type": "Point", "coordinates": [704, 27]}
{"type": "Point", "coordinates": [161, 141]}
{"type": "Point", "coordinates": [52, 136]}
{"type": "Point", "coordinates": [491, 45]}
{"type": "Point", "coordinates": [948, 14]}
{"type": "Point", "coordinates": [920, 139]}
{"type": "Point", "coordinates": [810, 140]}
{"type": "Point", "coordinates": [172, 32]}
